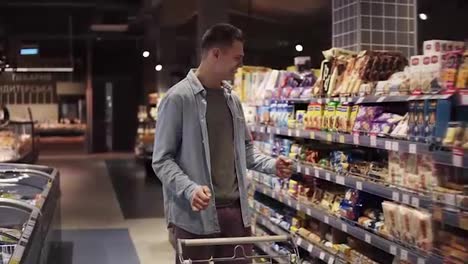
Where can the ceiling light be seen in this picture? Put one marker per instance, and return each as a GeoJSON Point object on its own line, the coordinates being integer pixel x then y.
{"type": "Point", "coordinates": [423, 16]}
{"type": "Point", "coordinates": [146, 54]}
{"type": "Point", "coordinates": [299, 48]}
{"type": "Point", "coordinates": [158, 67]}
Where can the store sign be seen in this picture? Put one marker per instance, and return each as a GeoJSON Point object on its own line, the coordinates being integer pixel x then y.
{"type": "Point", "coordinates": [27, 88]}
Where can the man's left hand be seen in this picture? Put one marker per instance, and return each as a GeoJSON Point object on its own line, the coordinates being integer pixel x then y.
{"type": "Point", "coordinates": [284, 167]}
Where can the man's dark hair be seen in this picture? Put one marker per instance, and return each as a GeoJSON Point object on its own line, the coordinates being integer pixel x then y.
{"type": "Point", "coordinates": [221, 35]}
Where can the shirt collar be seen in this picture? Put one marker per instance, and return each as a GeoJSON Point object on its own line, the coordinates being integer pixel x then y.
{"type": "Point", "coordinates": [197, 87]}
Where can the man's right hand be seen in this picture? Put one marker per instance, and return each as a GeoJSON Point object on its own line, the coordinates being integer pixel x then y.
{"type": "Point", "coordinates": [201, 198]}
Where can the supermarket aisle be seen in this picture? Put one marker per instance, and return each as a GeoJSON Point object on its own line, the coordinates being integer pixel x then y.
{"type": "Point", "coordinates": [111, 213]}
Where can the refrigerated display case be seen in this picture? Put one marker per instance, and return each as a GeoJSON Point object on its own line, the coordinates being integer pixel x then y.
{"type": "Point", "coordinates": [18, 142]}
{"type": "Point", "coordinates": [29, 213]}
{"type": "Point", "coordinates": [18, 139]}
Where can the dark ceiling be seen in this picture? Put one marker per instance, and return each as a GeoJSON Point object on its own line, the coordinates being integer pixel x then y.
{"type": "Point", "coordinates": [272, 27]}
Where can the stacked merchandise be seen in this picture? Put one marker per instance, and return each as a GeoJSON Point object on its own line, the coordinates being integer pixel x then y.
{"type": "Point", "coordinates": [405, 139]}
{"type": "Point", "coordinates": [316, 233]}
{"type": "Point", "coordinates": [437, 69]}
{"type": "Point", "coordinates": [255, 84]}
{"type": "Point", "coordinates": [442, 68]}
{"type": "Point", "coordinates": [345, 73]}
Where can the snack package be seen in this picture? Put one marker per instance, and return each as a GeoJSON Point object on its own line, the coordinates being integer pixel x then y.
{"type": "Point", "coordinates": [462, 78]}
{"type": "Point", "coordinates": [384, 123]}
{"type": "Point", "coordinates": [410, 176]}
{"type": "Point", "coordinates": [404, 224]}
{"type": "Point", "coordinates": [401, 130]}
{"type": "Point", "coordinates": [352, 117]}
{"type": "Point", "coordinates": [390, 211]}
{"type": "Point", "coordinates": [442, 119]}
{"type": "Point", "coordinates": [425, 74]}
{"type": "Point", "coordinates": [454, 135]}
{"type": "Point", "coordinates": [419, 129]}
{"type": "Point", "coordinates": [264, 114]}
{"type": "Point", "coordinates": [327, 201]}
{"type": "Point", "coordinates": [421, 227]}
{"type": "Point", "coordinates": [300, 115]}
{"type": "Point", "coordinates": [273, 113]}
{"type": "Point", "coordinates": [412, 120]}
{"type": "Point", "coordinates": [295, 151]}
{"type": "Point", "coordinates": [425, 172]}
{"type": "Point", "coordinates": [438, 47]}
{"type": "Point", "coordinates": [396, 168]}
{"type": "Point", "coordinates": [450, 69]}
{"type": "Point", "coordinates": [318, 112]}
{"type": "Point", "coordinates": [350, 206]}
{"type": "Point", "coordinates": [329, 116]}
{"type": "Point", "coordinates": [343, 117]}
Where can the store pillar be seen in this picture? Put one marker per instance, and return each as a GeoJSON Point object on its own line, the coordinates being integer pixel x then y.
{"type": "Point", "coordinates": [166, 57]}
{"type": "Point", "coordinates": [375, 25]}
{"type": "Point", "coordinates": [211, 12]}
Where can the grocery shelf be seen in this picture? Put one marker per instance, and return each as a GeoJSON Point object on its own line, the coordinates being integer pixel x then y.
{"type": "Point", "coordinates": [397, 145]}
{"type": "Point", "coordinates": [379, 189]}
{"type": "Point", "coordinates": [412, 255]}
{"type": "Point", "coordinates": [370, 99]}
{"type": "Point", "coordinates": [314, 250]}
{"type": "Point", "coordinates": [455, 158]}
{"type": "Point", "coordinates": [264, 247]}
{"type": "Point", "coordinates": [450, 212]}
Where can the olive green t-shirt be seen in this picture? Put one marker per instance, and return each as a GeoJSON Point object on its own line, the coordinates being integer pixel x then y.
{"type": "Point", "coordinates": [221, 141]}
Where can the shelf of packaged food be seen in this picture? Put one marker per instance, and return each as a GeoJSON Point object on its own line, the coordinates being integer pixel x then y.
{"type": "Point", "coordinates": [264, 247]}
{"type": "Point", "coordinates": [391, 193]}
{"type": "Point", "coordinates": [451, 218]}
{"type": "Point", "coordinates": [404, 253]}
{"type": "Point", "coordinates": [314, 250]}
{"type": "Point", "coordinates": [455, 158]}
{"type": "Point", "coordinates": [450, 211]}
{"type": "Point", "coordinates": [370, 99]}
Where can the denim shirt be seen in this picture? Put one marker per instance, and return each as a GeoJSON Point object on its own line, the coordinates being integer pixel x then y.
{"type": "Point", "coordinates": [181, 156]}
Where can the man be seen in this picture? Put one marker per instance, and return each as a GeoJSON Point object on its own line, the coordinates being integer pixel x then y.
{"type": "Point", "coordinates": [203, 148]}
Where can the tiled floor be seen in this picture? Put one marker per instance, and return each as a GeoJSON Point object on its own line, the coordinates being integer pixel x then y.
{"type": "Point", "coordinates": [107, 200]}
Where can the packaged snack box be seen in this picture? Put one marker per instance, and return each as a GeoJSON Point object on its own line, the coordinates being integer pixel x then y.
{"type": "Point", "coordinates": [412, 120]}
{"type": "Point", "coordinates": [425, 74]}
{"type": "Point", "coordinates": [450, 69]}
{"type": "Point", "coordinates": [462, 77]}
{"type": "Point", "coordinates": [343, 117]}
{"type": "Point", "coordinates": [330, 114]}
{"type": "Point", "coordinates": [437, 47]}
{"type": "Point", "coordinates": [419, 129]}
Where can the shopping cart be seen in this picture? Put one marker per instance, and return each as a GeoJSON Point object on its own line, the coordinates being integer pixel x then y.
{"type": "Point", "coordinates": [239, 251]}
{"type": "Point", "coordinates": [6, 251]}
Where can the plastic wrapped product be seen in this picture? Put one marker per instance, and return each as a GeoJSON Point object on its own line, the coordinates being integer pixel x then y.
{"type": "Point", "coordinates": [327, 201]}
{"type": "Point", "coordinates": [421, 227]}
{"type": "Point", "coordinates": [391, 216]}
{"type": "Point", "coordinates": [300, 115]}
{"type": "Point", "coordinates": [404, 224]}
{"type": "Point", "coordinates": [350, 206]}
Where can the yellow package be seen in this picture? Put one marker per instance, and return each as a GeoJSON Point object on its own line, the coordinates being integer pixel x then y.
{"type": "Point", "coordinates": [352, 117]}
{"type": "Point", "coordinates": [330, 116]}
{"type": "Point", "coordinates": [343, 117]}
{"type": "Point", "coordinates": [462, 78]}
{"type": "Point", "coordinates": [317, 112]}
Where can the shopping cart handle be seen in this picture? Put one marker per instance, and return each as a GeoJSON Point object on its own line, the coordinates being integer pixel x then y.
{"type": "Point", "coordinates": [231, 241]}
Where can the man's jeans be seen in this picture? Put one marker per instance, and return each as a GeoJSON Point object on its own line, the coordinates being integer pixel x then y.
{"type": "Point", "coordinates": [230, 220]}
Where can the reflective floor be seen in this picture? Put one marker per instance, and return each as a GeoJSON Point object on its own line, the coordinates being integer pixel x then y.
{"type": "Point", "coordinates": [111, 211]}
